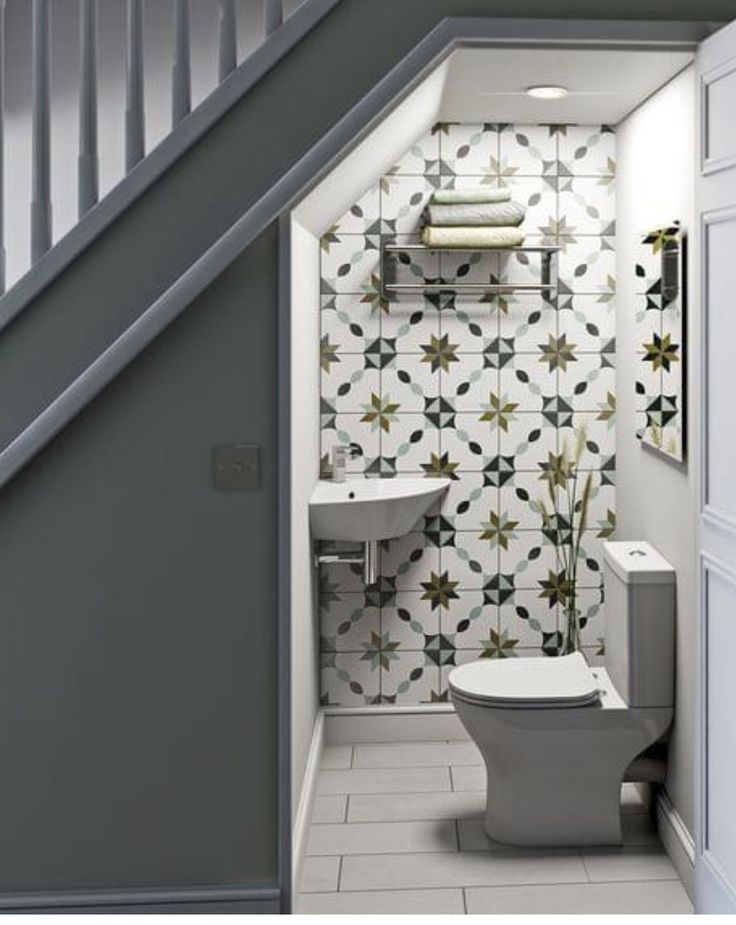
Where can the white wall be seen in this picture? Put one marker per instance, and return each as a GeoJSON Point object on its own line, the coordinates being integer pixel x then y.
{"type": "Point", "coordinates": [305, 308]}
{"type": "Point", "coordinates": [657, 500]}
{"type": "Point", "coordinates": [378, 151]}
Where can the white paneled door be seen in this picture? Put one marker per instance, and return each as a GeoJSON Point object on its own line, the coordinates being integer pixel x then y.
{"type": "Point", "coordinates": [716, 267]}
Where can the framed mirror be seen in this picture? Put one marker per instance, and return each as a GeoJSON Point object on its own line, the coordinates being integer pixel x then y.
{"type": "Point", "coordinates": [660, 383]}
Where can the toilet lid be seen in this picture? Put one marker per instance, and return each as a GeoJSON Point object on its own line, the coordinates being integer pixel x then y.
{"type": "Point", "coordinates": [563, 681]}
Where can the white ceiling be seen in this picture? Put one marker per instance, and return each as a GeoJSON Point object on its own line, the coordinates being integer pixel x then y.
{"type": "Point", "coordinates": [488, 84]}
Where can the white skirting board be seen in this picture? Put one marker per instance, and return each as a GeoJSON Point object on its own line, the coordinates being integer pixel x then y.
{"type": "Point", "coordinates": [300, 828]}
{"type": "Point", "coordinates": [433, 722]}
{"type": "Point", "coordinates": [677, 840]}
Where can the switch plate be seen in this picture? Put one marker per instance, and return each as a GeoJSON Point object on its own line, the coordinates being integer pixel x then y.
{"type": "Point", "coordinates": [236, 467]}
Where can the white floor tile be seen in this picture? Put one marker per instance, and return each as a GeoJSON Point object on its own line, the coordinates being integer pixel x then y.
{"type": "Point", "coordinates": [469, 778]}
{"type": "Point", "coordinates": [336, 756]}
{"type": "Point", "coordinates": [319, 875]}
{"type": "Point", "coordinates": [384, 780]}
{"type": "Point", "coordinates": [416, 755]}
{"type": "Point", "coordinates": [377, 902]}
{"type": "Point", "coordinates": [389, 819]}
{"type": "Point", "coordinates": [647, 898]}
{"type": "Point", "coordinates": [628, 863]}
{"type": "Point", "coordinates": [391, 807]}
{"type": "Point", "coordinates": [330, 808]}
{"type": "Point", "coordinates": [382, 837]}
{"type": "Point", "coordinates": [475, 868]}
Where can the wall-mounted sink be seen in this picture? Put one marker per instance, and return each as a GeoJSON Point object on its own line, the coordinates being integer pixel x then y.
{"type": "Point", "coordinates": [361, 510]}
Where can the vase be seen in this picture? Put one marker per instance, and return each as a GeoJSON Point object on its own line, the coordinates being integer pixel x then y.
{"type": "Point", "coordinates": [570, 631]}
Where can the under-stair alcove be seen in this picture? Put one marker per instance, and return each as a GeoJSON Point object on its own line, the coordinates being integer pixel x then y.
{"type": "Point", "coordinates": [481, 366]}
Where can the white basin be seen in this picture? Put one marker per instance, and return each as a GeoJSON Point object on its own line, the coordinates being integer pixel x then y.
{"type": "Point", "coordinates": [360, 510]}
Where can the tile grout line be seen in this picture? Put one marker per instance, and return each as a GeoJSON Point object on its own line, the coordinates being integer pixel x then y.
{"type": "Point", "coordinates": [465, 900]}
{"type": "Point", "coordinates": [339, 874]}
{"type": "Point", "coordinates": [489, 886]}
{"type": "Point", "coordinates": [486, 886]}
{"type": "Point", "coordinates": [415, 767]}
{"type": "Point", "coordinates": [585, 867]}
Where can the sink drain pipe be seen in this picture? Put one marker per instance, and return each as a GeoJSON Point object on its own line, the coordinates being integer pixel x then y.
{"type": "Point", "coordinates": [366, 555]}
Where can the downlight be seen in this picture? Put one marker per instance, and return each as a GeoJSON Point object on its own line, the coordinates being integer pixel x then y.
{"type": "Point", "coordinates": [547, 92]}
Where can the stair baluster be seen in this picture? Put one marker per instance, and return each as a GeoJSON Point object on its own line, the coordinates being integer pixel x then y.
{"type": "Point", "coordinates": [181, 87]}
{"type": "Point", "coordinates": [41, 149]}
{"type": "Point", "coordinates": [2, 146]}
{"type": "Point", "coordinates": [134, 119]}
{"type": "Point", "coordinates": [227, 60]}
{"type": "Point", "coordinates": [274, 15]}
{"type": "Point", "coordinates": [88, 156]}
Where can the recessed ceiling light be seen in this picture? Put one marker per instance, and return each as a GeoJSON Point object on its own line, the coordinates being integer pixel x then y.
{"type": "Point", "coordinates": [547, 92]}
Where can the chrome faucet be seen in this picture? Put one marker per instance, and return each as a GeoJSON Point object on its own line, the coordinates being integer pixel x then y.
{"type": "Point", "coordinates": [339, 458]}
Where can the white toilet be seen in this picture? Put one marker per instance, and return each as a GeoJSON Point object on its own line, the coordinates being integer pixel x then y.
{"type": "Point", "coordinates": [556, 735]}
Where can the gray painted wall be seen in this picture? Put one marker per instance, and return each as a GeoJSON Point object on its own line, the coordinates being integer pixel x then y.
{"type": "Point", "coordinates": [137, 629]}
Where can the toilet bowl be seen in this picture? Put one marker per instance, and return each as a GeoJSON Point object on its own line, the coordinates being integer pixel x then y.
{"type": "Point", "coordinates": [557, 735]}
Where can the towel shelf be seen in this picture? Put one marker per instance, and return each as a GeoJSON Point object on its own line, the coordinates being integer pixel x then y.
{"type": "Point", "coordinates": [548, 283]}
{"type": "Point", "coordinates": [529, 249]}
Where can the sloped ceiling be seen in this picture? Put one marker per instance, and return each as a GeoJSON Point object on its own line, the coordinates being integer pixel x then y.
{"type": "Point", "coordinates": [488, 85]}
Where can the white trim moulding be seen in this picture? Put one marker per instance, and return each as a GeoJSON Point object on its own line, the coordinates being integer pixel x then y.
{"type": "Point", "coordinates": [392, 723]}
{"type": "Point", "coordinates": [303, 816]}
{"type": "Point", "coordinates": [677, 841]}
{"type": "Point", "coordinates": [712, 515]}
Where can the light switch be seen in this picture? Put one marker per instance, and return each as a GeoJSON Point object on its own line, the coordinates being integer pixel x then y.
{"type": "Point", "coordinates": [236, 467]}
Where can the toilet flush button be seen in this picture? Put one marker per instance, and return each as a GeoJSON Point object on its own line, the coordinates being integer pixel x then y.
{"type": "Point", "coordinates": [637, 552]}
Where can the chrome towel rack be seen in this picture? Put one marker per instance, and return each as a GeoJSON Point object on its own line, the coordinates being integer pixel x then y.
{"type": "Point", "coordinates": [549, 271]}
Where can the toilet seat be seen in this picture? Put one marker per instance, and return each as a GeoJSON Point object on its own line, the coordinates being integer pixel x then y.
{"type": "Point", "coordinates": [527, 683]}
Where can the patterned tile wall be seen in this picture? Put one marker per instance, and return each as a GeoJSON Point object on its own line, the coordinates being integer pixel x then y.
{"type": "Point", "coordinates": [483, 389]}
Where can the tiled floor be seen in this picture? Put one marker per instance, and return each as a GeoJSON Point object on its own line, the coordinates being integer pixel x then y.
{"type": "Point", "coordinates": [398, 829]}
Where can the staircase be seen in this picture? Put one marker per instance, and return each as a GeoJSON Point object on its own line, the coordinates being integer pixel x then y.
{"type": "Point", "coordinates": [130, 134]}
{"type": "Point", "coordinates": [108, 82]}
{"type": "Point", "coordinates": [143, 679]}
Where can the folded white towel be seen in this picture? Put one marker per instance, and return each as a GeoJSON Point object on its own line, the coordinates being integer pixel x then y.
{"type": "Point", "coordinates": [453, 196]}
{"type": "Point", "coordinates": [477, 213]}
{"type": "Point", "coordinates": [471, 236]}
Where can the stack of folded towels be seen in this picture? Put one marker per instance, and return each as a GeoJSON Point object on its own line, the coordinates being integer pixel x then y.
{"type": "Point", "coordinates": [473, 218]}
